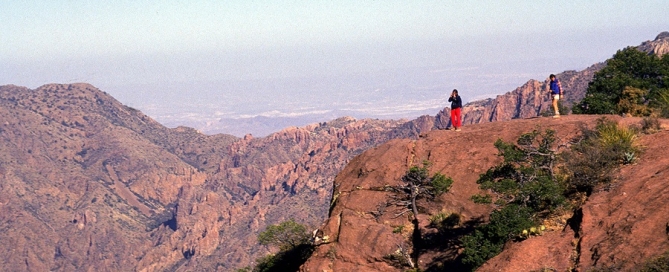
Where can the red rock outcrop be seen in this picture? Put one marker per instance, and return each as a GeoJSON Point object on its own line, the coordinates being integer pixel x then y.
{"type": "Point", "coordinates": [620, 227]}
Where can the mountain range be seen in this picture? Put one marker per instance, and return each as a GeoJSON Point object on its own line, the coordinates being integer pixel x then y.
{"type": "Point", "coordinates": [90, 183]}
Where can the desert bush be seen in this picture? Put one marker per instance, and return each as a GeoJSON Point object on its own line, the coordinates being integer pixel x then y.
{"type": "Point", "coordinates": [292, 239]}
{"type": "Point", "coordinates": [632, 102]}
{"type": "Point", "coordinates": [662, 101]}
{"type": "Point", "coordinates": [615, 137]}
{"type": "Point", "coordinates": [526, 176]}
{"type": "Point", "coordinates": [417, 184]}
{"type": "Point", "coordinates": [445, 220]}
{"type": "Point", "coordinates": [488, 240]}
{"type": "Point", "coordinates": [440, 183]}
{"type": "Point", "coordinates": [524, 189]}
{"type": "Point", "coordinates": [650, 125]}
{"type": "Point", "coordinates": [658, 264]}
{"type": "Point", "coordinates": [595, 156]}
{"type": "Point", "coordinates": [482, 199]}
{"type": "Point", "coordinates": [286, 235]}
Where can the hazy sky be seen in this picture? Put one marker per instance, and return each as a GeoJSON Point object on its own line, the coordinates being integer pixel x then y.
{"type": "Point", "coordinates": [171, 51]}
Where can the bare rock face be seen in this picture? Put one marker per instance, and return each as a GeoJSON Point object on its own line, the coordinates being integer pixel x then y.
{"type": "Point", "coordinates": [88, 182]}
{"type": "Point", "coordinates": [78, 189]}
{"type": "Point", "coordinates": [619, 227]}
{"type": "Point", "coordinates": [659, 46]}
{"type": "Point", "coordinates": [629, 223]}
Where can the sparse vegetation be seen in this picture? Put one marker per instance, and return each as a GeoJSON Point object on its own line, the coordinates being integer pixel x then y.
{"type": "Point", "coordinates": [597, 153]}
{"type": "Point", "coordinates": [533, 183]}
{"type": "Point", "coordinates": [286, 235]}
{"type": "Point", "coordinates": [400, 258]}
{"type": "Point", "coordinates": [524, 189]}
{"type": "Point", "coordinates": [444, 220]}
{"type": "Point", "coordinates": [650, 125]}
{"type": "Point", "coordinates": [419, 185]}
{"type": "Point", "coordinates": [658, 264]}
{"type": "Point", "coordinates": [398, 229]}
{"type": "Point", "coordinates": [292, 239]}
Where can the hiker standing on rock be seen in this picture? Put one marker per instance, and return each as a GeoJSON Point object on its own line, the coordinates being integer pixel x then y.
{"type": "Point", "coordinates": [556, 93]}
{"type": "Point", "coordinates": [456, 106]}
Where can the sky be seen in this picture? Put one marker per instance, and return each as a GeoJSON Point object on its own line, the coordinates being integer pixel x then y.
{"type": "Point", "coordinates": [210, 64]}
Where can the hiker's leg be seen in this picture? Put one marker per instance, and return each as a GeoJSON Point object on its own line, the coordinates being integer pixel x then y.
{"type": "Point", "coordinates": [458, 118]}
{"type": "Point", "coordinates": [555, 104]}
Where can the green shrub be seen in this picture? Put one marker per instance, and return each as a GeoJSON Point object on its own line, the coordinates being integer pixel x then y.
{"type": "Point", "coordinates": [285, 260]}
{"type": "Point", "coordinates": [659, 264]}
{"type": "Point", "coordinates": [292, 239]}
{"type": "Point", "coordinates": [593, 159]}
{"type": "Point", "coordinates": [632, 82]}
{"type": "Point", "coordinates": [445, 220]}
{"type": "Point", "coordinates": [482, 199]}
{"type": "Point", "coordinates": [526, 175]}
{"type": "Point", "coordinates": [488, 240]}
{"type": "Point", "coordinates": [524, 189]}
{"type": "Point", "coordinates": [441, 184]}
{"type": "Point", "coordinates": [417, 184]}
{"type": "Point", "coordinates": [615, 137]}
{"type": "Point", "coordinates": [650, 125]}
{"type": "Point", "coordinates": [286, 235]}
{"type": "Point", "coordinates": [632, 102]}
{"type": "Point", "coordinates": [662, 101]}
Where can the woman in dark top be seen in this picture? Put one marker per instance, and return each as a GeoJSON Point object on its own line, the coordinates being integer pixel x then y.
{"type": "Point", "coordinates": [456, 105]}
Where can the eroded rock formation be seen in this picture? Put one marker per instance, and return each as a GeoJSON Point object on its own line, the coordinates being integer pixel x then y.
{"type": "Point", "coordinates": [620, 227]}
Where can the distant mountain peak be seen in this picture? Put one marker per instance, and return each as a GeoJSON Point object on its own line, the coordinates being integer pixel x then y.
{"type": "Point", "coordinates": [659, 46]}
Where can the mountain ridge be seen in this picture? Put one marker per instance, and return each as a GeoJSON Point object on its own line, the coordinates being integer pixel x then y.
{"type": "Point", "coordinates": [169, 197]}
{"type": "Point", "coordinates": [89, 182]}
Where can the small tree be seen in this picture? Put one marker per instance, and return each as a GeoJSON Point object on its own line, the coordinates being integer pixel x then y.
{"type": "Point", "coordinates": [523, 188]}
{"type": "Point", "coordinates": [632, 82]}
{"type": "Point", "coordinates": [292, 239]}
{"type": "Point", "coordinates": [417, 185]}
{"type": "Point", "coordinates": [285, 236]}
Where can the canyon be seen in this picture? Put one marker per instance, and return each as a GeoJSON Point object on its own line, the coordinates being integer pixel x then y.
{"type": "Point", "coordinates": [88, 182]}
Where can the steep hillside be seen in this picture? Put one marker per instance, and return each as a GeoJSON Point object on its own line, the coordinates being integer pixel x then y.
{"type": "Point", "coordinates": [88, 182]}
{"type": "Point", "coordinates": [622, 225]}
{"type": "Point", "coordinates": [80, 189]}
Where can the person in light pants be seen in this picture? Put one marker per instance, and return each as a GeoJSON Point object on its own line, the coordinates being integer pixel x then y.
{"type": "Point", "coordinates": [556, 94]}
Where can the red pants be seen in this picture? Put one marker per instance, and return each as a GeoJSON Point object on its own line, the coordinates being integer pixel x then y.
{"type": "Point", "coordinates": [456, 119]}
